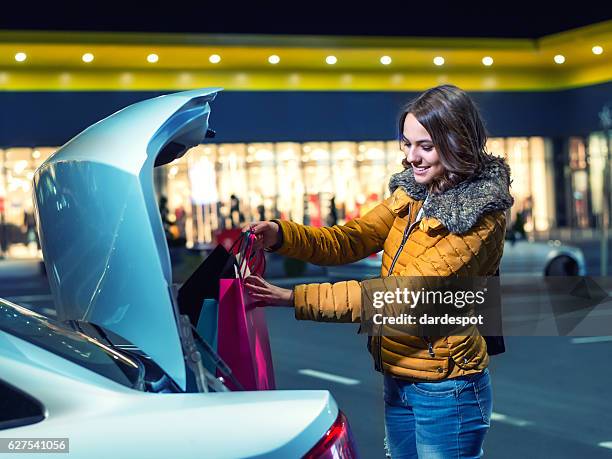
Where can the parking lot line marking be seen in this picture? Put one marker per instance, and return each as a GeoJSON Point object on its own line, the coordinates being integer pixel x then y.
{"type": "Point", "coordinates": [591, 339]}
{"type": "Point", "coordinates": [328, 377]}
{"type": "Point", "coordinates": [605, 444]}
{"type": "Point", "coordinates": [510, 420]}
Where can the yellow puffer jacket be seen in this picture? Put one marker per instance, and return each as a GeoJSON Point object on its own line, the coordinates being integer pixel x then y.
{"type": "Point", "coordinates": [460, 233]}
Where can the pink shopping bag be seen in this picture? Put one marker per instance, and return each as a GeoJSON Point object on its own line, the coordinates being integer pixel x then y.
{"type": "Point", "coordinates": [243, 341]}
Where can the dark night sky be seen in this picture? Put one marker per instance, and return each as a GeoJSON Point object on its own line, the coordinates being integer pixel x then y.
{"type": "Point", "coordinates": [408, 18]}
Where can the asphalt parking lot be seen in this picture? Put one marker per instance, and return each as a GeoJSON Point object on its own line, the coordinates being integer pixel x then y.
{"type": "Point", "coordinates": [552, 395]}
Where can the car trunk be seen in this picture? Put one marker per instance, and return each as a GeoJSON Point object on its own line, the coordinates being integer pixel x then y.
{"type": "Point", "coordinates": [100, 229]}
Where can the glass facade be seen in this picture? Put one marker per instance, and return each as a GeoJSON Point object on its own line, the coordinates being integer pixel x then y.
{"type": "Point", "coordinates": [18, 238]}
{"type": "Point", "coordinates": [531, 166]}
{"type": "Point", "coordinates": [599, 177]}
{"type": "Point", "coordinates": [216, 187]}
{"type": "Point", "coordinates": [323, 183]}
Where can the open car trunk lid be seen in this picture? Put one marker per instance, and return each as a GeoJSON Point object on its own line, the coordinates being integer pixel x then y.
{"type": "Point", "coordinates": [100, 229]}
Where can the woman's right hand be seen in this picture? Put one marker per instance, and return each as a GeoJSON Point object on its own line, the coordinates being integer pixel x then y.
{"type": "Point", "coordinates": [267, 233]}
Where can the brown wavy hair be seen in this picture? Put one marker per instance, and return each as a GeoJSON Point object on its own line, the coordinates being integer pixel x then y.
{"type": "Point", "coordinates": [457, 131]}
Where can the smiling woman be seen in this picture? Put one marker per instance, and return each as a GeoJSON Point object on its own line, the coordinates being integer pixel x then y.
{"type": "Point", "coordinates": [446, 217]}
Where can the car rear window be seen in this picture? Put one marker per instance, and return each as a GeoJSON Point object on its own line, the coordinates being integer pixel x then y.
{"type": "Point", "coordinates": [76, 347]}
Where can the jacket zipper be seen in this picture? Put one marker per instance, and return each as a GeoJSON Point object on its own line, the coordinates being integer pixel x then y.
{"type": "Point", "coordinates": [399, 250]}
{"type": "Point", "coordinates": [407, 232]}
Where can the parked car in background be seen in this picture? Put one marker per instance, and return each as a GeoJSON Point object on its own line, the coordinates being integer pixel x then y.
{"type": "Point", "coordinates": [118, 371]}
{"type": "Point", "coordinates": [548, 258]}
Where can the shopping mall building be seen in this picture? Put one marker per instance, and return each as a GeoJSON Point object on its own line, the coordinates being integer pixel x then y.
{"type": "Point", "coordinates": [304, 120]}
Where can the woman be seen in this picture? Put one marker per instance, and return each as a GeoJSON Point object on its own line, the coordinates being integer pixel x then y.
{"type": "Point", "coordinates": [446, 216]}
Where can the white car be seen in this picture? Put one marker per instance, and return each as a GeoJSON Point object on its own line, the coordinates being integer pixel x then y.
{"type": "Point", "coordinates": [118, 372]}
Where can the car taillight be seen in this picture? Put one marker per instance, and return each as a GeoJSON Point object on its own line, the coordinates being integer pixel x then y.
{"type": "Point", "coordinates": [337, 443]}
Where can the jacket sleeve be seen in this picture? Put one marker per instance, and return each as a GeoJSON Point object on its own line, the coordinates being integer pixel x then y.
{"type": "Point", "coordinates": [338, 302]}
{"type": "Point", "coordinates": [475, 253]}
{"type": "Point", "coordinates": [338, 244]}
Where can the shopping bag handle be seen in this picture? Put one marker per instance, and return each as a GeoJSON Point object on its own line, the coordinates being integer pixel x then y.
{"type": "Point", "coordinates": [254, 259]}
{"type": "Point", "coordinates": [257, 257]}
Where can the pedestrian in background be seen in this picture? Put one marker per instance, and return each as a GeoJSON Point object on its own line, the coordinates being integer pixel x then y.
{"type": "Point", "coordinates": [446, 216]}
{"type": "Point", "coordinates": [236, 215]}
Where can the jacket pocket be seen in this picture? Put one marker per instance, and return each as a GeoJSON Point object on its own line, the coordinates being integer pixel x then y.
{"type": "Point", "coordinates": [443, 388]}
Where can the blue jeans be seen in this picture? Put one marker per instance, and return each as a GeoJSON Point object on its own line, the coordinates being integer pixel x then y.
{"type": "Point", "coordinates": [437, 420]}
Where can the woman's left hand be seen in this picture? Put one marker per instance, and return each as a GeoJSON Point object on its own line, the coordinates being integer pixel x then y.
{"type": "Point", "coordinates": [266, 293]}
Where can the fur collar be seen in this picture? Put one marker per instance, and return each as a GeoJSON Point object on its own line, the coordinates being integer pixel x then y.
{"type": "Point", "coordinates": [460, 207]}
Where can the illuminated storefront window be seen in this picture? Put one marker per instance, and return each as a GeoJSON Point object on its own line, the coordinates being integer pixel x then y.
{"type": "Point", "coordinates": [18, 238]}
{"type": "Point", "coordinates": [217, 187]}
{"type": "Point", "coordinates": [204, 198]}
{"type": "Point", "coordinates": [530, 161]}
{"type": "Point", "coordinates": [579, 181]}
{"type": "Point", "coordinates": [394, 161]}
{"type": "Point", "coordinates": [346, 180]}
{"type": "Point", "coordinates": [232, 185]}
{"type": "Point", "coordinates": [318, 182]}
{"type": "Point", "coordinates": [290, 198]}
{"type": "Point", "coordinates": [373, 179]}
{"type": "Point", "coordinates": [599, 164]}
{"type": "Point", "coordinates": [262, 180]}
{"type": "Point", "coordinates": [517, 156]}
{"type": "Point", "coordinates": [497, 146]}
{"type": "Point", "coordinates": [177, 213]}
{"type": "Point", "coordinates": [542, 186]}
